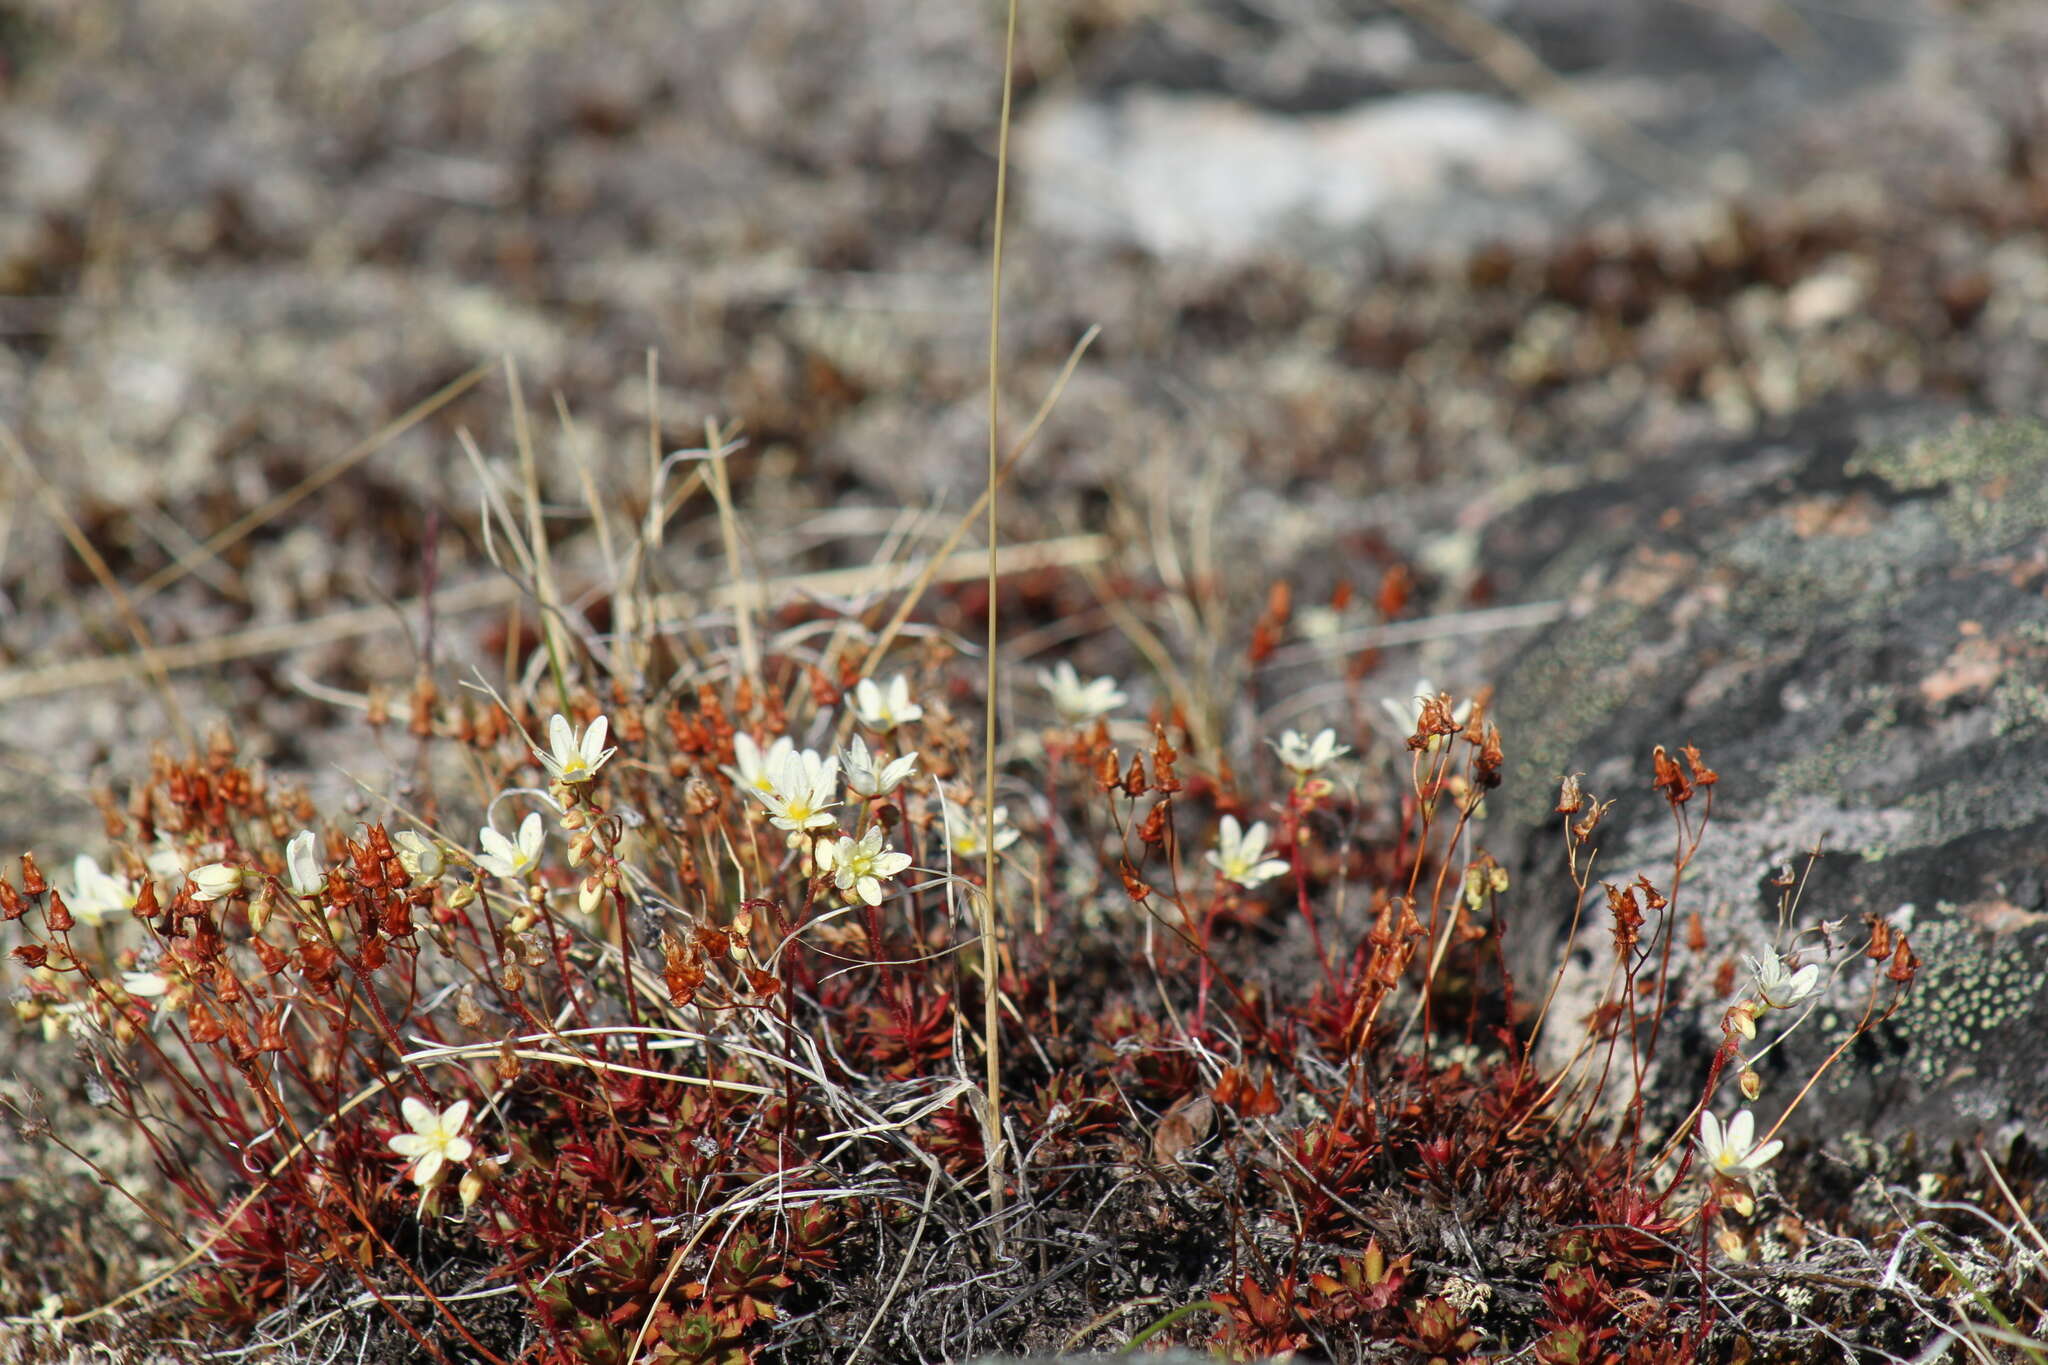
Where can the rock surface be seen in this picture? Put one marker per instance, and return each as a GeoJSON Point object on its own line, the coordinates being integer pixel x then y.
{"type": "Point", "coordinates": [1218, 132]}
{"type": "Point", "coordinates": [1850, 617]}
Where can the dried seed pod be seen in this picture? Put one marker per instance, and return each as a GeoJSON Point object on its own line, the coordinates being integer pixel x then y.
{"type": "Point", "coordinates": [1164, 778]}
{"type": "Point", "coordinates": [1668, 778]}
{"type": "Point", "coordinates": [1134, 780]}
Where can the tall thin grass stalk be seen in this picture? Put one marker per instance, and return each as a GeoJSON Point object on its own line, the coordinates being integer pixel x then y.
{"type": "Point", "coordinates": [992, 1094]}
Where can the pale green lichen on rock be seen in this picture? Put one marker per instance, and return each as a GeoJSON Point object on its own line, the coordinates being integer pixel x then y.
{"type": "Point", "coordinates": [1581, 679]}
{"type": "Point", "coordinates": [1994, 475]}
{"type": "Point", "coordinates": [2020, 708]}
{"type": "Point", "coordinates": [1970, 985]}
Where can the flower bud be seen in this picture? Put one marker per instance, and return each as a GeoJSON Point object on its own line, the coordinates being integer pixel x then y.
{"type": "Point", "coordinates": [463, 897]}
{"type": "Point", "coordinates": [1751, 1083]}
{"type": "Point", "coordinates": [591, 896]}
{"type": "Point", "coordinates": [471, 1186]}
{"type": "Point", "coordinates": [1743, 1019]}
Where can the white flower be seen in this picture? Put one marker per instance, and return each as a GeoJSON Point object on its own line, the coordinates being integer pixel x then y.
{"type": "Point", "coordinates": [1408, 715]}
{"type": "Point", "coordinates": [572, 758]}
{"type": "Point", "coordinates": [1304, 757]}
{"type": "Point", "coordinates": [1239, 853]}
{"type": "Point", "coordinates": [435, 1139]}
{"type": "Point", "coordinates": [753, 768]}
{"type": "Point", "coordinates": [802, 790]}
{"type": "Point", "coordinates": [507, 859]}
{"type": "Point", "coordinates": [1780, 989]}
{"type": "Point", "coordinates": [302, 866]}
{"type": "Point", "coordinates": [215, 880]}
{"type": "Point", "coordinates": [964, 831]}
{"type": "Point", "coordinates": [421, 857]}
{"type": "Point", "coordinates": [883, 708]}
{"type": "Point", "coordinates": [96, 894]}
{"type": "Point", "coordinates": [873, 775]}
{"type": "Point", "coordinates": [1730, 1151]}
{"type": "Point", "coordinates": [860, 866]}
{"type": "Point", "coordinates": [147, 985]}
{"type": "Point", "coordinates": [59, 1019]}
{"type": "Point", "coordinates": [1078, 702]}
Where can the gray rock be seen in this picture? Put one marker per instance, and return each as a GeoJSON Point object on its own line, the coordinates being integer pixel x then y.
{"type": "Point", "coordinates": [1217, 178]}
{"type": "Point", "coordinates": [1849, 618]}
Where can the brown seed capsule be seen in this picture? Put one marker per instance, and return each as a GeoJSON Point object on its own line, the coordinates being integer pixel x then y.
{"type": "Point", "coordinates": [1669, 780]}
{"type": "Point", "coordinates": [1569, 797]}
{"type": "Point", "coordinates": [1904, 962]}
{"type": "Point", "coordinates": [32, 876]}
{"type": "Point", "coordinates": [1134, 780]}
{"type": "Point", "coordinates": [1164, 778]}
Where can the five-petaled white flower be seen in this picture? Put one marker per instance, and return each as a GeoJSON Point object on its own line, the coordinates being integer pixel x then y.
{"type": "Point", "coordinates": [507, 859]}
{"type": "Point", "coordinates": [302, 865]}
{"type": "Point", "coordinates": [1077, 702]}
{"type": "Point", "coordinates": [573, 758]}
{"type": "Point", "coordinates": [1305, 757]}
{"type": "Point", "coordinates": [964, 831]}
{"type": "Point", "coordinates": [215, 880]}
{"type": "Point", "coordinates": [860, 866]}
{"type": "Point", "coordinates": [420, 856]}
{"type": "Point", "coordinates": [802, 790]}
{"type": "Point", "coordinates": [1240, 854]}
{"type": "Point", "coordinates": [96, 894]}
{"type": "Point", "coordinates": [872, 774]}
{"type": "Point", "coordinates": [1408, 714]}
{"type": "Point", "coordinates": [1732, 1151]}
{"type": "Point", "coordinates": [1780, 989]}
{"type": "Point", "coordinates": [753, 769]}
{"type": "Point", "coordinates": [884, 707]}
{"type": "Point", "coordinates": [435, 1139]}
